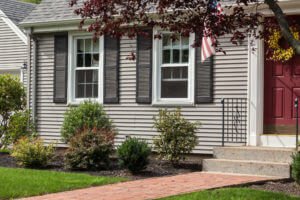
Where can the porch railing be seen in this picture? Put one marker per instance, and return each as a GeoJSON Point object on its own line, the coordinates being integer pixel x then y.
{"type": "Point", "coordinates": [234, 121]}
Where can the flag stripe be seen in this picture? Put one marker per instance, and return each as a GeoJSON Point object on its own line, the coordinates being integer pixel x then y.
{"type": "Point", "coordinates": [207, 49]}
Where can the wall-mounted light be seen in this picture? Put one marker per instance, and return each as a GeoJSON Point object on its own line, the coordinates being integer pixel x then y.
{"type": "Point", "coordinates": [24, 67]}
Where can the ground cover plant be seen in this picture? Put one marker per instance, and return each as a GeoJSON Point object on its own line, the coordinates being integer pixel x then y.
{"type": "Point", "coordinates": [27, 182]}
{"type": "Point", "coordinates": [233, 194]}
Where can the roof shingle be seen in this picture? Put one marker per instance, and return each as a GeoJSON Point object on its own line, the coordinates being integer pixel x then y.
{"type": "Point", "coordinates": [51, 11]}
{"type": "Point", "coordinates": [15, 10]}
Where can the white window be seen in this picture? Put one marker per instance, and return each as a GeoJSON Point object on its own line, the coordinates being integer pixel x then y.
{"type": "Point", "coordinates": [173, 70]}
{"type": "Point", "coordinates": [86, 69]}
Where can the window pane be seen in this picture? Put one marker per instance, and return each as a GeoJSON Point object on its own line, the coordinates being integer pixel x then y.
{"type": "Point", "coordinates": [176, 55]}
{"type": "Point", "coordinates": [80, 91]}
{"type": "Point", "coordinates": [89, 76]}
{"type": "Point", "coordinates": [95, 60]}
{"type": "Point", "coordinates": [88, 45]}
{"type": "Point", "coordinates": [96, 46]}
{"type": "Point", "coordinates": [166, 73]}
{"type": "Point", "coordinates": [80, 76]}
{"type": "Point", "coordinates": [166, 40]}
{"type": "Point", "coordinates": [89, 90]}
{"type": "Point", "coordinates": [174, 89]}
{"type": "Point", "coordinates": [185, 56]}
{"type": "Point", "coordinates": [79, 60]}
{"type": "Point", "coordinates": [88, 60]}
{"type": "Point", "coordinates": [176, 42]}
{"type": "Point", "coordinates": [166, 56]}
{"type": "Point", "coordinates": [80, 46]}
{"type": "Point", "coordinates": [95, 90]}
{"type": "Point", "coordinates": [185, 41]}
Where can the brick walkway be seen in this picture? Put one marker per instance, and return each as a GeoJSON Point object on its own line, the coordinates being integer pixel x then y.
{"type": "Point", "coordinates": [154, 188]}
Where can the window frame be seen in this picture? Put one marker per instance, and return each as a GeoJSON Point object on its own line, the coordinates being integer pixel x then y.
{"type": "Point", "coordinates": [157, 62]}
{"type": "Point", "coordinates": [73, 37]}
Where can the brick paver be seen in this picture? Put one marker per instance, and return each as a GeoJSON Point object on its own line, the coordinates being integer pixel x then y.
{"type": "Point", "coordinates": [154, 188]}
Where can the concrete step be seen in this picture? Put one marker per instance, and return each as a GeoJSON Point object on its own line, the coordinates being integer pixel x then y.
{"type": "Point", "coordinates": [280, 170]}
{"type": "Point", "coordinates": [281, 155]}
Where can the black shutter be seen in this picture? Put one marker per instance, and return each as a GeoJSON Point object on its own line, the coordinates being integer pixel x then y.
{"type": "Point", "coordinates": [204, 78]}
{"type": "Point", "coordinates": [144, 68]}
{"type": "Point", "coordinates": [111, 69]}
{"type": "Point", "coordinates": [60, 68]}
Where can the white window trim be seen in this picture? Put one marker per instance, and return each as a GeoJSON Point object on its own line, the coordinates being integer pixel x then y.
{"type": "Point", "coordinates": [157, 60]}
{"type": "Point", "coordinates": [72, 64]}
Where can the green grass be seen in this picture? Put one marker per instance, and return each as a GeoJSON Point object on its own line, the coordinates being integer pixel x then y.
{"type": "Point", "coordinates": [16, 183]}
{"type": "Point", "coordinates": [5, 151]}
{"type": "Point", "coordinates": [232, 194]}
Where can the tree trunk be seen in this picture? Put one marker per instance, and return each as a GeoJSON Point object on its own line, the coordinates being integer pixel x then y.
{"type": "Point", "coordinates": [284, 26]}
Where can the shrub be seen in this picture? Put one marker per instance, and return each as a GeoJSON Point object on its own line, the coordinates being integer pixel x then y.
{"type": "Point", "coordinates": [89, 149]}
{"type": "Point", "coordinates": [19, 126]}
{"type": "Point", "coordinates": [86, 115]}
{"type": "Point", "coordinates": [12, 99]}
{"type": "Point", "coordinates": [296, 167]}
{"type": "Point", "coordinates": [133, 154]}
{"type": "Point", "coordinates": [31, 152]}
{"type": "Point", "coordinates": [177, 136]}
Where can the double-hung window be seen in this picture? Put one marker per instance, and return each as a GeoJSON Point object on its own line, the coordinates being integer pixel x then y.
{"type": "Point", "coordinates": [174, 69]}
{"type": "Point", "coordinates": [85, 80]}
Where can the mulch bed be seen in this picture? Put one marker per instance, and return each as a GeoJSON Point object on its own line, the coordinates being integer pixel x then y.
{"type": "Point", "coordinates": [285, 186]}
{"type": "Point", "coordinates": [156, 168]}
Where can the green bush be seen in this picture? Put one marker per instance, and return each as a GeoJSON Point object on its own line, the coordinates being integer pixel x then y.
{"type": "Point", "coordinates": [90, 149]}
{"type": "Point", "coordinates": [133, 154]}
{"type": "Point", "coordinates": [12, 99]}
{"type": "Point", "coordinates": [177, 136]}
{"type": "Point", "coordinates": [296, 167]}
{"type": "Point", "coordinates": [31, 152]}
{"type": "Point", "coordinates": [19, 126]}
{"type": "Point", "coordinates": [86, 115]}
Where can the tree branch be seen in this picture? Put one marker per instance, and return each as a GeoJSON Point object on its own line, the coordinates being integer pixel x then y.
{"type": "Point", "coordinates": [284, 25]}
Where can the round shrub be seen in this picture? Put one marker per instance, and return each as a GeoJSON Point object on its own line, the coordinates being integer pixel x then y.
{"type": "Point", "coordinates": [31, 152]}
{"type": "Point", "coordinates": [12, 99]}
{"type": "Point", "coordinates": [90, 149]}
{"type": "Point", "coordinates": [296, 167]}
{"type": "Point", "coordinates": [133, 154]}
{"type": "Point", "coordinates": [87, 115]}
{"type": "Point", "coordinates": [177, 136]}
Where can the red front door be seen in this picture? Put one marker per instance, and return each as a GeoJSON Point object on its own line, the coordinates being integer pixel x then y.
{"type": "Point", "coordinates": [282, 86]}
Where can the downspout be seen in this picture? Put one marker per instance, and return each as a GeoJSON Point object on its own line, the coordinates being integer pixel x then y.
{"type": "Point", "coordinates": [28, 68]}
{"type": "Point", "coordinates": [34, 66]}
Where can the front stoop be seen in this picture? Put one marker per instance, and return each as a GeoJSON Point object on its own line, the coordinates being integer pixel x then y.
{"type": "Point", "coordinates": [250, 160]}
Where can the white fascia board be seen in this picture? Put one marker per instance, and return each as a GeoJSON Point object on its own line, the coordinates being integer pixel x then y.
{"type": "Point", "coordinates": [13, 27]}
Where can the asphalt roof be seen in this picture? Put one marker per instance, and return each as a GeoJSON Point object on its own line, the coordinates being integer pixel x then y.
{"type": "Point", "coordinates": [15, 10]}
{"type": "Point", "coordinates": [51, 11]}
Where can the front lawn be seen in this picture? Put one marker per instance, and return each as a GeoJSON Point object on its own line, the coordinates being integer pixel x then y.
{"type": "Point", "coordinates": [16, 183]}
{"type": "Point", "coordinates": [233, 194]}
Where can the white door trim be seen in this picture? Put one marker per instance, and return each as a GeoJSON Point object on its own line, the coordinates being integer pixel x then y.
{"type": "Point", "coordinates": [255, 90]}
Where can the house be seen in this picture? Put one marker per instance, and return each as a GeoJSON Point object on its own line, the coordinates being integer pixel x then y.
{"type": "Point", "coordinates": [13, 39]}
{"type": "Point", "coordinates": [66, 67]}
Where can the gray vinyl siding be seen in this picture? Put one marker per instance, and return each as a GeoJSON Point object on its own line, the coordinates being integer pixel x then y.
{"type": "Point", "coordinates": [13, 51]}
{"type": "Point", "coordinates": [230, 80]}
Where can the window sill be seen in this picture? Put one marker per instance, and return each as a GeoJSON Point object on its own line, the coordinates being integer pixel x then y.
{"type": "Point", "coordinates": [79, 101]}
{"type": "Point", "coordinates": [173, 103]}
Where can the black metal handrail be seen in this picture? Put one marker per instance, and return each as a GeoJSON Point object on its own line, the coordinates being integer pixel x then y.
{"type": "Point", "coordinates": [234, 120]}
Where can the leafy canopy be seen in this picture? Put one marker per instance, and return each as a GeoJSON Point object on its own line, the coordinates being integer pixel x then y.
{"type": "Point", "coordinates": [240, 19]}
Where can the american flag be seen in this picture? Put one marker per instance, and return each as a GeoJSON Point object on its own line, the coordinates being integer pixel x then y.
{"type": "Point", "coordinates": [208, 49]}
